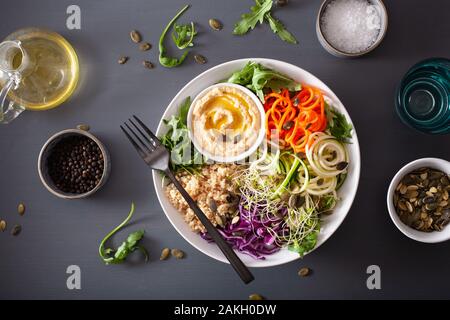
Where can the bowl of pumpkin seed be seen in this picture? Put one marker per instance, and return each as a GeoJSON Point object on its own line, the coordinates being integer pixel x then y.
{"type": "Point", "coordinates": [418, 200]}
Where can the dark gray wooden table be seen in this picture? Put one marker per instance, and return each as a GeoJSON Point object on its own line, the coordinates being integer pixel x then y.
{"type": "Point", "coordinates": [58, 233]}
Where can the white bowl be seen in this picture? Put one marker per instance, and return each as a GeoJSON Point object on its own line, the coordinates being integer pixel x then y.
{"type": "Point", "coordinates": [261, 133]}
{"type": "Point", "coordinates": [427, 237]}
{"type": "Point", "coordinates": [347, 191]}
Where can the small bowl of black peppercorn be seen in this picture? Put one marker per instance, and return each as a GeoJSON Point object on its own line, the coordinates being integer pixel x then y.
{"type": "Point", "coordinates": [73, 163]}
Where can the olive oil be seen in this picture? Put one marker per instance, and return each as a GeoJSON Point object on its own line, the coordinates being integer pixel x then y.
{"type": "Point", "coordinates": [48, 67]}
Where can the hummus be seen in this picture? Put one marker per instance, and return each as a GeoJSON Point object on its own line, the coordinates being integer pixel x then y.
{"type": "Point", "coordinates": [225, 121]}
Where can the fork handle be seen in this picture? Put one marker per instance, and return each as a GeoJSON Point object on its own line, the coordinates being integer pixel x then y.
{"type": "Point", "coordinates": [229, 253]}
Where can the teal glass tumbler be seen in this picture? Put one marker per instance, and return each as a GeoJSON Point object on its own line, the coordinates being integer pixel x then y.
{"type": "Point", "coordinates": [423, 97]}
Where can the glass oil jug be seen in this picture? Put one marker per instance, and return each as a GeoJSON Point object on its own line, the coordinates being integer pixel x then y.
{"type": "Point", "coordinates": [38, 71]}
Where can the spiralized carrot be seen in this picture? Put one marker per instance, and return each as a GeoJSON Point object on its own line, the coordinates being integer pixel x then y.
{"type": "Point", "coordinates": [293, 118]}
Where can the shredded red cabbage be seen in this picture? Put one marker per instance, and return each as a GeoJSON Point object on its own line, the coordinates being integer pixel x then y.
{"type": "Point", "coordinates": [250, 234]}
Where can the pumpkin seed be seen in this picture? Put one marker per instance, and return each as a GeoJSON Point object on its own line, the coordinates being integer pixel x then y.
{"type": "Point", "coordinates": [424, 175]}
{"type": "Point", "coordinates": [403, 189]}
{"type": "Point", "coordinates": [433, 190]}
{"type": "Point", "coordinates": [303, 272]}
{"type": "Point", "coordinates": [292, 201]}
{"type": "Point", "coordinates": [16, 230]}
{"type": "Point", "coordinates": [165, 253]}
{"type": "Point", "coordinates": [177, 253]}
{"type": "Point", "coordinates": [411, 194]}
{"type": "Point", "coordinates": [200, 59]}
{"type": "Point", "coordinates": [212, 205]}
{"type": "Point", "coordinates": [288, 125]}
{"type": "Point", "coordinates": [215, 24]}
{"type": "Point", "coordinates": [147, 64]}
{"type": "Point", "coordinates": [409, 207]}
{"type": "Point", "coordinates": [219, 221]}
{"type": "Point", "coordinates": [255, 296]}
{"type": "Point", "coordinates": [135, 36]}
{"type": "Point", "coordinates": [412, 187]}
{"type": "Point", "coordinates": [122, 60]}
{"type": "Point", "coordinates": [341, 165]}
{"type": "Point", "coordinates": [21, 209]}
{"type": "Point", "coordinates": [83, 127]}
{"type": "Point", "coordinates": [2, 225]}
{"type": "Point", "coordinates": [235, 220]}
{"type": "Point", "coordinates": [145, 46]}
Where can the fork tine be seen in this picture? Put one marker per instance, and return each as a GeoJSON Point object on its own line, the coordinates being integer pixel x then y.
{"type": "Point", "coordinates": [142, 134]}
{"type": "Point", "coordinates": [149, 148]}
{"type": "Point", "coordinates": [150, 133]}
{"type": "Point", "coordinates": [135, 145]}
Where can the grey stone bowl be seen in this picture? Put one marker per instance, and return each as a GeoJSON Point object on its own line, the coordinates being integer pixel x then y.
{"type": "Point", "coordinates": [46, 151]}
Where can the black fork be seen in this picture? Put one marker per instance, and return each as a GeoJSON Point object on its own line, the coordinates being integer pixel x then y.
{"type": "Point", "coordinates": [156, 156]}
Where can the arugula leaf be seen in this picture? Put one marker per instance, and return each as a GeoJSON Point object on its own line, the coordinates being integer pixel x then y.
{"type": "Point", "coordinates": [111, 256]}
{"type": "Point", "coordinates": [338, 125]}
{"type": "Point", "coordinates": [183, 154]}
{"type": "Point", "coordinates": [164, 60]}
{"type": "Point", "coordinates": [249, 20]}
{"type": "Point", "coordinates": [257, 78]}
{"type": "Point", "coordinates": [183, 35]}
{"type": "Point", "coordinates": [279, 29]}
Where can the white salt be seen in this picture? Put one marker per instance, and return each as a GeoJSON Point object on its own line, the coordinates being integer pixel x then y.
{"type": "Point", "coordinates": [351, 26]}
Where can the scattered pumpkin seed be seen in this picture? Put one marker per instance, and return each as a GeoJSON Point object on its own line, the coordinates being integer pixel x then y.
{"type": "Point", "coordinates": [235, 220]}
{"type": "Point", "coordinates": [212, 205]}
{"type": "Point", "coordinates": [135, 36]}
{"type": "Point", "coordinates": [21, 209]}
{"type": "Point", "coordinates": [215, 24]}
{"type": "Point", "coordinates": [177, 253]}
{"type": "Point", "coordinates": [2, 225]}
{"type": "Point", "coordinates": [145, 46]}
{"type": "Point", "coordinates": [288, 125]}
{"type": "Point", "coordinates": [147, 64]}
{"type": "Point", "coordinates": [219, 221]}
{"type": "Point", "coordinates": [16, 230]}
{"type": "Point", "coordinates": [165, 253]}
{"type": "Point", "coordinates": [122, 60]}
{"type": "Point", "coordinates": [303, 272]}
{"type": "Point", "coordinates": [200, 59]}
{"type": "Point", "coordinates": [292, 203]}
{"type": "Point", "coordinates": [341, 165]}
{"type": "Point", "coordinates": [83, 127]}
{"type": "Point", "coordinates": [255, 296]}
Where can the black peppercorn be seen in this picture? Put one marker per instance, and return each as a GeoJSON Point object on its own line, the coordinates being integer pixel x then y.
{"type": "Point", "coordinates": [76, 165]}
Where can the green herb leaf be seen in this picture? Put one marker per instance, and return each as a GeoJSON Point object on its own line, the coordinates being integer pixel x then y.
{"type": "Point", "coordinates": [306, 245]}
{"type": "Point", "coordinates": [111, 256]}
{"type": "Point", "coordinates": [279, 29]}
{"type": "Point", "coordinates": [338, 125]}
{"type": "Point", "coordinates": [183, 35]}
{"type": "Point", "coordinates": [249, 20]}
{"type": "Point", "coordinates": [183, 154]}
{"type": "Point", "coordinates": [257, 78]}
{"type": "Point", "coordinates": [164, 60]}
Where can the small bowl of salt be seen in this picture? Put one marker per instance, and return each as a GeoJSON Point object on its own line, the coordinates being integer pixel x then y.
{"type": "Point", "coordinates": [351, 28]}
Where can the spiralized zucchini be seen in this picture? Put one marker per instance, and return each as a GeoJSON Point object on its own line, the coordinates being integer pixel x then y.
{"type": "Point", "coordinates": [324, 153]}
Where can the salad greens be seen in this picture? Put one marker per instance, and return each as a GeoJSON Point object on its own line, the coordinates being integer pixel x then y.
{"type": "Point", "coordinates": [164, 59]}
{"type": "Point", "coordinates": [261, 12]}
{"type": "Point", "coordinates": [176, 140]}
{"type": "Point", "coordinates": [338, 125]}
{"type": "Point", "coordinates": [279, 29]}
{"type": "Point", "coordinates": [249, 20]}
{"type": "Point", "coordinates": [257, 78]}
{"type": "Point", "coordinates": [131, 244]}
{"type": "Point", "coordinates": [183, 35]}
